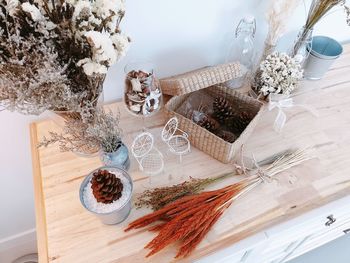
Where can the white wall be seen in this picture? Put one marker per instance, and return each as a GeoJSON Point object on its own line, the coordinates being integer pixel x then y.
{"type": "Point", "coordinates": [177, 36]}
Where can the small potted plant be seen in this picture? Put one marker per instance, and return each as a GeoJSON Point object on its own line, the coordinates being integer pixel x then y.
{"type": "Point", "coordinates": [102, 133]}
{"type": "Point", "coordinates": [106, 192]}
{"type": "Point", "coordinates": [107, 134]}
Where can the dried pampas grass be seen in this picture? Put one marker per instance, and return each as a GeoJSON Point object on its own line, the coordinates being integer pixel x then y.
{"type": "Point", "coordinates": [277, 17]}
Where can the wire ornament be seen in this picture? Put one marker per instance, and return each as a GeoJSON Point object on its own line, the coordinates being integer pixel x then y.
{"type": "Point", "coordinates": [152, 163]}
{"type": "Point", "coordinates": [178, 144]}
{"type": "Point", "coordinates": [142, 144]}
{"type": "Point", "coordinates": [149, 158]}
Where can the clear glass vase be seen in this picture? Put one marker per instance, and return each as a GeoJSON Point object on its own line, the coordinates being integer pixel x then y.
{"type": "Point", "coordinates": [302, 46]}
{"type": "Point", "coordinates": [142, 91]}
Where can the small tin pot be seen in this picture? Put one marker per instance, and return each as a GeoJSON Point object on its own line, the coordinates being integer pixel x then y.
{"type": "Point", "coordinates": [323, 52]}
{"type": "Point", "coordinates": [118, 215]}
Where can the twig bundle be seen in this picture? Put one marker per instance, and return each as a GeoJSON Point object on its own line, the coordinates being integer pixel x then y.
{"type": "Point", "coordinates": [190, 218]}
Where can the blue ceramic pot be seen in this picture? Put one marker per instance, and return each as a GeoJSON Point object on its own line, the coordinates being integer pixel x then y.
{"type": "Point", "coordinates": [119, 158]}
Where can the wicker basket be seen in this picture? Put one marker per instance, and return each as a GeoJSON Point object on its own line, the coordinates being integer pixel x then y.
{"type": "Point", "coordinates": [207, 80]}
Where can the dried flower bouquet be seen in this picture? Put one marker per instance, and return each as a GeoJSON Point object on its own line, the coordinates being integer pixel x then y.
{"type": "Point", "coordinates": [278, 73]}
{"type": "Point", "coordinates": [54, 55]}
{"type": "Point", "coordinates": [188, 220]}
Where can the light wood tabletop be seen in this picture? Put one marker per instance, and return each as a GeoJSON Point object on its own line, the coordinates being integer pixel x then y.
{"type": "Point", "coordinates": [68, 233]}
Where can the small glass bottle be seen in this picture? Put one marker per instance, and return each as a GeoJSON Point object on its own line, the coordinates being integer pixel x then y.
{"type": "Point", "coordinates": [242, 49]}
{"type": "Point", "coordinates": [302, 46]}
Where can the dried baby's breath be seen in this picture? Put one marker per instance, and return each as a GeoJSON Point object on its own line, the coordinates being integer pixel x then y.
{"type": "Point", "coordinates": [106, 130]}
{"type": "Point", "coordinates": [78, 136]}
{"type": "Point", "coordinates": [74, 138]}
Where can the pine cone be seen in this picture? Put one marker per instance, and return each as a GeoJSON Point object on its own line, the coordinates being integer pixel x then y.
{"type": "Point", "coordinates": [222, 109]}
{"type": "Point", "coordinates": [209, 123]}
{"type": "Point", "coordinates": [238, 123]}
{"type": "Point", "coordinates": [106, 187]}
{"type": "Point", "coordinates": [227, 136]}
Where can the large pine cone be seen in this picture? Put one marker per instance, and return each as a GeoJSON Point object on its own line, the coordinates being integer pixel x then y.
{"type": "Point", "coordinates": [222, 109]}
{"type": "Point", "coordinates": [209, 123]}
{"type": "Point", "coordinates": [106, 187]}
{"type": "Point", "coordinates": [238, 123]}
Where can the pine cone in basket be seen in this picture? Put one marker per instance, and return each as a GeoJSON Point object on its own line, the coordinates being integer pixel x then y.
{"type": "Point", "coordinates": [238, 123]}
{"type": "Point", "coordinates": [222, 109]}
{"type": "Point", "coordinates": [106, 187]}
{"type": "Point", "coordinates": [209, 123]}
{"type": "Point", "coordinates": [227, 136]}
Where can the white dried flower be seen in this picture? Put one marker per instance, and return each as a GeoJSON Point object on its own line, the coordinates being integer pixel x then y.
{"type": "Point", "coordinates": [33, 11]}
{"type": "Point", "coordinates": [102, 47]}
{"type": "Point", "coordinates": [82, 8]}
{"type": "Point", "coordinates": [279, 73]}
{"type": "Point", "coordinates": [12, 6]}
{"type": "Point", "coordinates": [121, 44]}
{"type": "Point", "coordinates": [107, 8]}
{"type": "Point", "coordinates": [91, 68]}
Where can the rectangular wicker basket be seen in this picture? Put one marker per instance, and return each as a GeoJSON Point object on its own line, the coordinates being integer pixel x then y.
{"type": "Point", "coordinates": [208, 80]}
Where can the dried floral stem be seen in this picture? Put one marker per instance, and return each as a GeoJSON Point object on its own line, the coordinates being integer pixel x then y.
{"type": "Point", "coordinates": [159, 197]}
{"type": "Point", "coordinates": [277, 17]}
{"type": "Point", "coordinates": [102, 132]}
{"type": "Point", "coordinates": [318, 9]}
{"type": "Point", "coordinates": [190, 218]}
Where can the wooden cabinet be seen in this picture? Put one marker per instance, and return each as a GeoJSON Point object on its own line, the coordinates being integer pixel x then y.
{"type": "Point", "coordinates": [245, 251]}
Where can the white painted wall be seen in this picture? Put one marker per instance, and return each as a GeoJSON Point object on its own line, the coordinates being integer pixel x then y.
{"type": "Point", "coordinates": [177, 36]}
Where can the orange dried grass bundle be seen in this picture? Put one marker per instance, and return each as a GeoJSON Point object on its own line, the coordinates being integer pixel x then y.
{"type": "Point", "coordinates": [188, 219]}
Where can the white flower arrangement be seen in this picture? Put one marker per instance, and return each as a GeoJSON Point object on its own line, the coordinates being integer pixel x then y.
{"type": "Point", "coordinates": [78, 40]}
{"type": "Point", "coordinates": [279, 73]}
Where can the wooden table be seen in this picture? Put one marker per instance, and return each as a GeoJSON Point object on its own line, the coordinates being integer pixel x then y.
{"type": "Point", "coordinates": [68, 233]}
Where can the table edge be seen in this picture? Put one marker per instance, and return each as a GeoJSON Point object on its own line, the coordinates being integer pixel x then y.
{"type": "Point", "coordinates": [40, 213]}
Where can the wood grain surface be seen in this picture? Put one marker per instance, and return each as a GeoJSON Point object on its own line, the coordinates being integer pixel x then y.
{"type": "Point", "coordinates": [68, 233]}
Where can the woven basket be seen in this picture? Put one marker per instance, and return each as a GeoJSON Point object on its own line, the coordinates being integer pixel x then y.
{"type": "Point", "coordinates": [201, 138]}
{"type": "Point", "coordinates": [200, 79]}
